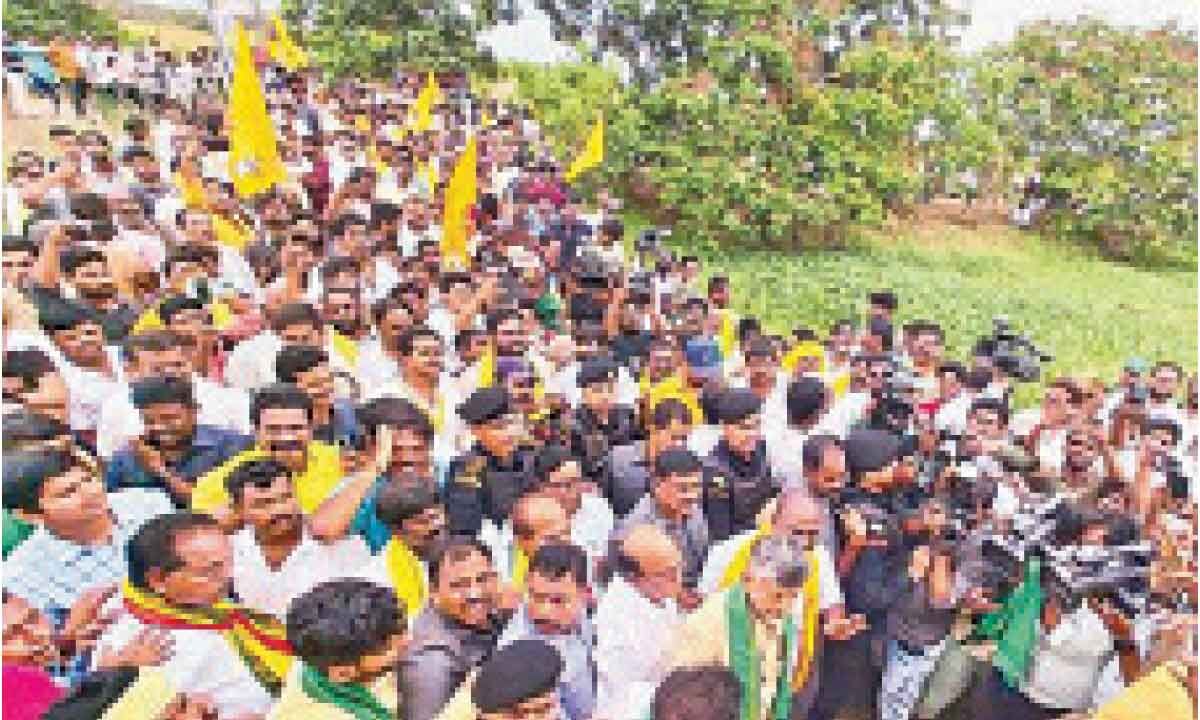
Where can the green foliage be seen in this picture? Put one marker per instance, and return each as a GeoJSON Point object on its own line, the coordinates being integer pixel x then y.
{"type": "Point", "coordinates": [45, 20]}
{"type": "Point", "coordinates": [374, 38]}
{"type": "Point", "coordinates": [1108, 118]}
{"type": "Point", "coordinates": [1091, 314]}
{"type": "Point", "coordinates": [565, 98]}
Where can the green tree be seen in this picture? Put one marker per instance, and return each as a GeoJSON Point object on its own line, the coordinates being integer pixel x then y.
{"type": "Point", "coordinates": [49, 19]}
{"type": "Point", "coordinates": [372, 38]}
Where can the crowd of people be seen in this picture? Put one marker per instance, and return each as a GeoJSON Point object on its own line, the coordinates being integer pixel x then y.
{"type": "Point", "coordinates": [283, 457]}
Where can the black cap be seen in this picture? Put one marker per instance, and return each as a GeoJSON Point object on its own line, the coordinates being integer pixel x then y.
{"type": "Point", "coordinates": [805, 397]}
{"type": "Point", "coordinates": [676, 461]}
{"type": "Point", "coordinates": [736, 404]}
{"type": "Point", "coordinates": [884, 299]}
{"type": "Point", "coordinates": [516, 673]}
{"type": "Point", "coordinates": [595, 371]}
{"type": "Point", "coordinates": [870, 450]}
{"type": "Point", "coordinates": [484, 405]}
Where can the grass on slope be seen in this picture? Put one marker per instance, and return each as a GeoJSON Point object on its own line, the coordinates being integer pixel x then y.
{"type": "Point", "coordinates": [1089, 313]}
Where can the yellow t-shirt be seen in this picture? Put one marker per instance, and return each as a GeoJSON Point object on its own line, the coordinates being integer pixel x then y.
{"type": "Point", "coordinates": [320, 477]}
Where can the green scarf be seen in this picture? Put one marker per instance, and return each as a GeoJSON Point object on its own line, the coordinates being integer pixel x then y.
{"type": "Point", "coordinates": [743, 655]}
{"type": "Point", "coordinates": [1014, 626]}
{"type": "Point", "coordinates": [350, 697]}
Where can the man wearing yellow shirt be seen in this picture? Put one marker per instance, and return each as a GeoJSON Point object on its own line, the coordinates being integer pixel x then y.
{"type": "Point", "coordinates": [283, 422]}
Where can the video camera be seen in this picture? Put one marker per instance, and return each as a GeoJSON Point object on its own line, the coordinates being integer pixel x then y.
{"type": "Point", "coordinates": [1013, 353]}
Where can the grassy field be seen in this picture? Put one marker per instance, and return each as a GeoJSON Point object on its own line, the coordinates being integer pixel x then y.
{"type": "Point", "coordinates": [1090, 313]}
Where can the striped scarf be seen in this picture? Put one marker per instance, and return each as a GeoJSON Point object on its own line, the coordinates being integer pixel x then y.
{"type": "Point", "coordinates": [258, 639]}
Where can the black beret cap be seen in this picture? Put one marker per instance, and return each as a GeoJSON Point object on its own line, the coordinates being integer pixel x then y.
{"type": "Point", "coordinates": [516, 673]}
{"type": "Point", "coordinates": [484, 405]}
{"type": "Point", "coordinates": [737, 404]}
{"type": "Point", "coordinates": [595, 371]}
{"type": "Point", "coordinates": [676, 461]}
{"type": "Point", "coordinates": [870, 450]}
{"type": "Point", "coordinates": [804, 398]}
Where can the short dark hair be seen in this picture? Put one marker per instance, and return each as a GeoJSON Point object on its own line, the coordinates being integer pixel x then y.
{"type": "Point", "coordinates": [295, 359]}
{"type": "Point", "coordinates": [280, 396]}
{"type": "Point", "coordinates": [153, 547]}
{"type": "Point", "coordinates": [340, 621]}
{"type": "Point", "coordinates": [296, 314]}
{"type": "Point", "coordinates": [550, 459]}
{"type": "Point", "coordinates": [404, 498]}
{"type": "Point", "coordinates": [75, 257]}
{"type": "Point", "coordinates": [454, 548]}
{"type": "Point", "coordinates": [259, 473]}
{"type": "Point", "coordinates": [404, 343]}
{"type": "Point", "coordinates": [151, 341]}
{"type": "Point", "coordinates": [172, 306]}
{"type": "Point", "coordinates": [25, 471]}
{"type": "Point", "coordinates": [557, 560]}
{"type": "Point", "coordinates": [28, 365]}
{"type": "Point", "coordinates": [991, 405]}
{"type": "Point", "coordinates": [669, 411]}
{"type": "Point", "coordinates": [394, 412]}
{"type": "Point", "coordinates": [699, 693]}
{"type": "Point", "coordinates": [161, 391]}
{"type": "Point", "coordinates": [23, 427]}
{"type": "Point", "coordinates": [813, 454]}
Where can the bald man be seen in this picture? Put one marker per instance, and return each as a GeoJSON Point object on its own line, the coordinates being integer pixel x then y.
{"type": "Point", "coordinates": [636, 622]}
{"type": "Point", "coordinates": [537, 518]}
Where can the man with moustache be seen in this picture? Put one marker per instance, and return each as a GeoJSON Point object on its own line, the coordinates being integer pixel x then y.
{"type": "Point", "coordinates": [275, 558]}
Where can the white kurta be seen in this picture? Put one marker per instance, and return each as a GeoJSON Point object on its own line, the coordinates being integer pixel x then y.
{"type": "Point", "coordinates": [312, 562]}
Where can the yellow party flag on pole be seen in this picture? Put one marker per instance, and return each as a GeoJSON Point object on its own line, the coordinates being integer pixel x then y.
{"type": "Point", "coordinates": [425, 101]}
{"type": "Point", "coordinates": [283, 50]}
{"type": "Point", "coordinates": [460, 197]}
{"type": "Point", "coordinates": [254, 162]}
{"type": "Point", "coordinates": [593, 152]}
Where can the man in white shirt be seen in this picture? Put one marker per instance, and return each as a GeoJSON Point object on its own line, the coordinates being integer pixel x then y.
{"type": "Point", "coordinates": [559, 475]}
{"type": "Point", "coordinates": [161, 354]}
{"type": "Point", "coordinates": [636, 621]}
{"type": "Point", "coordinates": [275, 559]}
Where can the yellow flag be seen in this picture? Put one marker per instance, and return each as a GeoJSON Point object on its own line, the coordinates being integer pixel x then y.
{"type": "Point", "coordinates": [429, 97]}
{"type": "Point", "coordinates": [593, 152]}
{"type": "Point", "coordinates": [460, 197]}
{"type": "Point", "coordinates": [254, 162]}
{"type": "Point", "coordinates": [345, 347]}
{"type": "Point", "coordinates": [283, 50]}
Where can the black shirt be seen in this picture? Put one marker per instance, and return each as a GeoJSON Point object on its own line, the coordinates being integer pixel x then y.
{"type": "Point", "coordinates": [484, 486]}
{"type": "Point", "coordinates": [735, 490]}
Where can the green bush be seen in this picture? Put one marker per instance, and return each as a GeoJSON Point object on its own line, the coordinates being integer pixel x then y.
{"type": "Point", "coordinates": [45, 20]}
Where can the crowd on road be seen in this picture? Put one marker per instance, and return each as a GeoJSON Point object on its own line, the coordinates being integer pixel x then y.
{"type": "Point", "coordinates": [295, 456]}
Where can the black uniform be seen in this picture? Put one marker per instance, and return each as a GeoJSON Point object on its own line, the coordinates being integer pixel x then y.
{"type": "Point", "coordinates": [484, 486]}
{"type": "Point", "coordinates": [735, 490]}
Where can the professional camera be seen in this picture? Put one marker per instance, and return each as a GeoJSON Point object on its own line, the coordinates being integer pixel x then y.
{"type": "Point", "coordinates": [1119, 574]}
{"type": "Point", "coordinates": [1013, 353]}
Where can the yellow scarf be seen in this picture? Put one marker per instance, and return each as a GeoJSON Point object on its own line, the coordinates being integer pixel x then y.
{"type": "Point", "coordinates": [811, 620]}
{"type": "Point", "coordinates": [809, 349]}
{"type": "Point", "coordinates": [487, 368]}
{"type": "Point", "coordinates": [192, 190]}
{"type": "Point", "coordinates": [260, 640]}
{"type": "Point", "coordinates": [407, 576]}
{"type": "Point", "coordinates": [345, 347]}
{"type": "Point", "coordinates": [672, 387]}
{"type": "Point", "coordinates": [728, 339]}
{"type": "Point", "coordinates": [520, 567]}
{"type": "Point", "coordinates": [231, 233]}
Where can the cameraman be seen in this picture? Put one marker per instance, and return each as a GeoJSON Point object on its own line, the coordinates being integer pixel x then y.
{"type": "Point", "coordinates": [920, 620]}
{"type": "Point", "coordinates": [872, 563]}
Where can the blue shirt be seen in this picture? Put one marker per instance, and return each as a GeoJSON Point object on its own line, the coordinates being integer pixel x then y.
{"type": "Point", "coordinates": [211, 446]}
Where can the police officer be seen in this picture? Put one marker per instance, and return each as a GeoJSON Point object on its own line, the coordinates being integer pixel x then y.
{"type": "Point", "coordinates": [599, 423]}
{"type": "Point", "coordinates": [737, 481]}
{"type": "Point", "coordinates": [486, 481]}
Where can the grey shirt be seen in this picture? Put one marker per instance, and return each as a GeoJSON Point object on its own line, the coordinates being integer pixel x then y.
{"type": "Point", "coordinates": [441, 655]}
{"type": "Point", "coordinates": [630, 476]}
{"type": "Point", "coordinates": [691, 535]}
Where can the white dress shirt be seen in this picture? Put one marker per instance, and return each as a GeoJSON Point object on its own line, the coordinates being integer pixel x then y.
{"type": "Point", "coordinates": [311, 562]}
{"type": "Point", "coordinates": [634, 640]}
{"type": "Point", "coordinates": [592, 525]}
